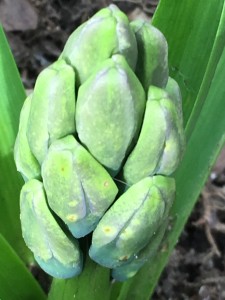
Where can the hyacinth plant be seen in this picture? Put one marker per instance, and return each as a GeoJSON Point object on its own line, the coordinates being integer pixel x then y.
{"type": "Point", "coordinates": [98, 146]}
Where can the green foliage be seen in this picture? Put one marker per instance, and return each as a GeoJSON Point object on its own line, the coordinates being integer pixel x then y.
{"type": "Point", "coordinates": [12, 97]}
{"type": "Point", "coordinates": [94, 283]}
{"type": "Point", "coordinates": [17, 283]}
{"type": "Point", "coordinates": [13, 251]}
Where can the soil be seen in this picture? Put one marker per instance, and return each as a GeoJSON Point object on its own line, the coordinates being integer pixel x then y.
{"type": "Point", "coordinates": [196, 268]}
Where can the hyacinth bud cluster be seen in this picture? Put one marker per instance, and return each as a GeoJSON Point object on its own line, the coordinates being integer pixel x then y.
{"type": "Point", "coordinates": [98, 140]}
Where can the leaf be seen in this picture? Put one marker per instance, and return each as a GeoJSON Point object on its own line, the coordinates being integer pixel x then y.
{"type": "Point", "coordinates": [193, 31]}
{"type": "Point", "coordinates": [12, 97]}
{"type": "Point", "coordinates": [17, 282]}
{"type": "Point", "coordinates": [93, 283]}
{"type": "Point", "coordinates": [197, 59]}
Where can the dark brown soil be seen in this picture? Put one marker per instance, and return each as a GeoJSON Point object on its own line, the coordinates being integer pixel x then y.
{"type": "Point", "coordinates": [196, 269]}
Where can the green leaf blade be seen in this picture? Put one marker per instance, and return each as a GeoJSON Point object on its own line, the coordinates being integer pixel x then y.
{"type": "Point", "coordinates": [190, 28]}
{"type": "Point", "coordinates": [12, 97]}
{"type": "Point", "coordinates": [93, 283]}
{"type": "Point", "coordinates": [16, 281]}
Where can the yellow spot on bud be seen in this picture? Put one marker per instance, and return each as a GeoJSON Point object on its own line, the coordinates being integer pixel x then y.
{"type": "Point", "coordinates": [72, 203]}
{"type": "Point", "coordinates": [126, 234]}
{"type": "Point", "coordinates": [106, 183]}
{"type": "Point", "coordinates": [123, 258]}
{"type": "Point", "coordinates": [107, 229]}
{"type": "Point", "coordinates": [71, 218]}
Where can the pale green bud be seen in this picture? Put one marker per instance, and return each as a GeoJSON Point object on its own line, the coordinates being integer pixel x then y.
{"type": "Point", "coordinates": [174, 138]}
{"type": "Point", "coordinates": [52, 108]}
{"type": "Point", "coordinates": [148, 253]}
{"type": "Point", "coordinates": [160, 146]}
{"type": "Point", "coordinates": [130, 223]}
{"type": "Point", "coordinates": [110, 107]}
{"type": "Point", "coordinates": [25, 161]}
{"type": "Point", "coordinates": [54, 251]}
{"type": "Point", "coordinates": [78, 188]}
{"type": "Point", "coordinates": [108, 32]}
{"type": "Point", "coordinates": [152, 63]}
{"type": "Point", "coordinates": [173, 90]}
